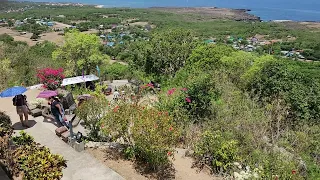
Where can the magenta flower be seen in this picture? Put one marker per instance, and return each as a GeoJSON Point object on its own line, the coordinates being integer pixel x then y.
{"type": "Point", "coordinates": [150, 85]}
{"type": "Point", "coordinates": [171, 91]}
{"type": "Point", "coordinates": [188, 100]}
{"type": "Point", "coordinates": [184, 89]}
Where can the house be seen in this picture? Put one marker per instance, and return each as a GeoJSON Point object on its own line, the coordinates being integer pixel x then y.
{"type": "Point", "coordinates": [209, 41]}
{"type": "Point", "coordinates": [110, 37]}
{"type": "Point", "coordinates": [110, 44]}
{"type": "Point", "coordinates": [148, 27]}
{"type": "Point", "coordinates": [18, 23]}
{"type": "Point", "coordinates": [50, 23]}
{"type": "Point", "coordinates": [102, 36]}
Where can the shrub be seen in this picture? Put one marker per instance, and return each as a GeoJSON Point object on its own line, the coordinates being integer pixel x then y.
{"type": "Point", "coordinates": [91, 112]}
{"type": "Point", "coordinates": [217, 151]}
{"type": "Point", "coordinates": [194, 94]}
{"type": "Point", "coordinates": [116, 71]}
{"type": "Point", "coordinates": [51, 78]}
{"type": "Point", "coordinates": [38, 163]}
{"type": "Point", "coordinates": [23, 139]}
{"type": "Point", "coordinates": [149, 133]}
{"type": "Point", "coordinates": [5, 124]}
{"type": "Point", "coordinates": [26, 157]}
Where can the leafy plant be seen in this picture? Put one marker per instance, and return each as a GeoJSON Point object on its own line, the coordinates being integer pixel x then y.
{"type": "Point", "coordinates": [150, 134]}
{"type": "Point", "coordinates": [91, 112]}
{"type": "Point", "coordinates": [5, 124]}
{"type": "Point", "coordinates": [38, 163]}
{"type": "Point", "coordinates": [116, 71]}
{"type": "Point", "coordinates": [23, 139]}
{"type": "Point", "coordinates": [215, 150]}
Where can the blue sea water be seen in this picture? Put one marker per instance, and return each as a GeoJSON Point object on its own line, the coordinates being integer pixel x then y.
{"type": "Point", "coordinates": [297, 10]}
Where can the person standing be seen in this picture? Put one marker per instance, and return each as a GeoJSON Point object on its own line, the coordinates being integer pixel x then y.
{"type": "Point", "coordinates": [20, 101]}
{"type": "Point", "coordinates": [58, 112]}
{"type": "Point", "coordinates": [116, 95]}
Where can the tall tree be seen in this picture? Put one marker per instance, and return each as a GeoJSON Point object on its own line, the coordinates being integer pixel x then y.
{"type": "Point", "coordinates": [81, 52]}
{"type": "Point", "coordinates": [165, 53]}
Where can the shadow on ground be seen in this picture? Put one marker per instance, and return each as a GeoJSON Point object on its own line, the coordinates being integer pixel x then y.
{"type": "Point", "coordinates": [50, 120]}
{"type": "Point", "coordinates": [141, 167]}
{"type": "Point", "coordinates": [18, 125]}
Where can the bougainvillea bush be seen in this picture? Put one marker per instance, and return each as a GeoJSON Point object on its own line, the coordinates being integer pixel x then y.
{"type": "Point", "coordinates": [51, 78]}
{"type": "Point", "coordinates": [151, 135]}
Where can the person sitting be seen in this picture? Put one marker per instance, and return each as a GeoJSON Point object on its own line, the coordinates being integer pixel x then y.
{"type": "Point", "coordinates": [58, 111]}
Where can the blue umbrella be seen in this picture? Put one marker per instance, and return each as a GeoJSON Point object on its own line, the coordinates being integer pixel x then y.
{"type": "Point", "coordinates": [16, 90]}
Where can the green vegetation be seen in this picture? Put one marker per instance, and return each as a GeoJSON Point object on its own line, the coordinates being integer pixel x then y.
{"type": "Point", "coordinates": [237, 111]}
{"type": "Point", "coordinates": [25, 157]}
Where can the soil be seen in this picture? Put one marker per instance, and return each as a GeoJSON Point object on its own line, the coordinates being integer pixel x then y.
{"type": "Point", "coordinates": [181, 169]}
{"type": "Point", "coordinates": [48, 36]}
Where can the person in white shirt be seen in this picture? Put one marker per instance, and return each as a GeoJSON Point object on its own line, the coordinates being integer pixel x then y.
{"type": "Point", "coordinates": [116, 95]}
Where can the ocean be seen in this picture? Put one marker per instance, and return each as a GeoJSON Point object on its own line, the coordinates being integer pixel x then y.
{"type": "Point", "coordinates": [296, 10]}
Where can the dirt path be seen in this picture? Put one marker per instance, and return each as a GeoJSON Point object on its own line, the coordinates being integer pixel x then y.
{"type": "Point", "coordinates": [130, 171]}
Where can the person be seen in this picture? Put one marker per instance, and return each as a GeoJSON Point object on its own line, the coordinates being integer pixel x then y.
{"type": "Point", "coordinates": [116, 95]}
{"type": "Point", "coordinates": [20, 101]}
{"type": "Point", "coordinates": [58, 111]}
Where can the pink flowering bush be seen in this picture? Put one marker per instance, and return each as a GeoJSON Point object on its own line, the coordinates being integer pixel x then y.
{"type": "Point", "coordinates": [51, 78]}
{"type": "Point", "coordinates": [194, 99]}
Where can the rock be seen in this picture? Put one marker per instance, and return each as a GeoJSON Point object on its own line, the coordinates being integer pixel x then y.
{"type": "Point", "coordinates": [59, 131]}
{"type": "Point", "coordinates": [103, 145]}
{"type": "Point", "coordinates": [120, 140]}
{"type": "Point", "coordinates": [65, 136]}
{"type": "Point", "coordinates": [36, 112]}
{"type": "Point", "coordinates": [79, 146]}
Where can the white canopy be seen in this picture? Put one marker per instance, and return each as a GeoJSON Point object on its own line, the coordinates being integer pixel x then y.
{"type": "Point", "coordinates": [79, 79]}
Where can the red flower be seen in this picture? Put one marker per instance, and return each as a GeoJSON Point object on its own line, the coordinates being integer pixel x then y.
{"type": "Point", "coordinates": [293, 172]}
{"type": "Point", "coordinates": [188, 100]}
{"type": "Point", "coordinates": [169, 153]}
{"type": "Point", "coordinates": [171, 128]}
{"type": "Point", "coordinates": [171, 91]}
{"type": "Point", "coordinates": [150, 85]}
{"type": "Point", "coordinates": [116, 109]}
{"type": "Point", "coordinates": [184, 89]}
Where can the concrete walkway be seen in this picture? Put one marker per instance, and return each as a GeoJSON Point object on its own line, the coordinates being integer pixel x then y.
{"type": "Point", "coordinates": [81, 165]}
{"type": "Point", "coordinates": [3, 175]}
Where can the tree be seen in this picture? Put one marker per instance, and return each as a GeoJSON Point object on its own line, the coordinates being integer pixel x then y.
{"type": "Point", "coordinates": [34, 36]}
{"type": "Point", "coordinates": [237, 64]}
{"type": "Point", "coordinates": [6, 73]}
{"type": "Point", "coordinates": [164, 54]}
{"type": "Point", "coordinates": [80, 52]}
{"type": "Point", "coordinates": [6, 38]}
{"type": "Point", "coordinates": [209, 56]}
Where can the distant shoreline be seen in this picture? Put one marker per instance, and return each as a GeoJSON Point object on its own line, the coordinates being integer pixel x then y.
{"type": "Point", "coordinates": [243, 13]}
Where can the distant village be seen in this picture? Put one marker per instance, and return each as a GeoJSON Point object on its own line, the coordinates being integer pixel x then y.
{"type": "Point", "coordinates": [126, 31]}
